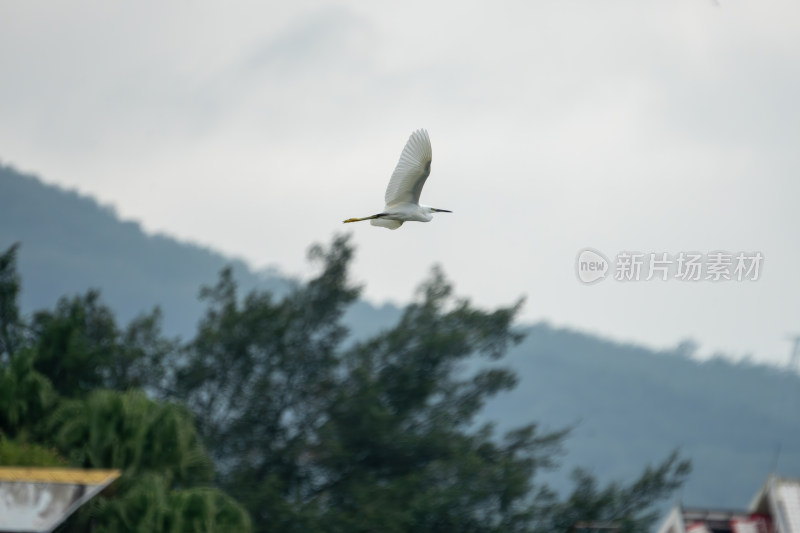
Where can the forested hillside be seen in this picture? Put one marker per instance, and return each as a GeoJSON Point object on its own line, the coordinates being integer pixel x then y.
{"type": "Point", "coordinates": [738, 422]}
{"type": "Point", "coordinates": [268, 419]}
{"type": "Point", "coordinates": [627, 405]}
{"type": "Point", "coordinates": [71, 243]}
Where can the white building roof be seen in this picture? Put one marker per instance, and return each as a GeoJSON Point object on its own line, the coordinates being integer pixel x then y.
{"type": "Point", "coordinates": [34, 500]}
{"type": "Point", "coordinates": [775, 509]}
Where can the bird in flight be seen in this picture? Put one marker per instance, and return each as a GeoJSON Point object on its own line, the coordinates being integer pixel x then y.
{"type": "Point", "coordinates": [405, 186]}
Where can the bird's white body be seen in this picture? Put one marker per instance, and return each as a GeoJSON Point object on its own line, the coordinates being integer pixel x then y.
{"type": "Point", "coordinates": [396, 214]}
{"type": "Point", "coordinates": [405, 186]}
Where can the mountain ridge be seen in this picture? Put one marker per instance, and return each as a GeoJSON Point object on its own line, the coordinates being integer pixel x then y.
{"type": "Point", "coordinates": [630, 404]}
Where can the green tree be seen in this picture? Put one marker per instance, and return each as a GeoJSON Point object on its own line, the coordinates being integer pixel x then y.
{"type": "Point", "coordinates": [21, 453]}
{"type": "Point", "coordinates": [144, 357]}
{"type": "Point", "coordinates": [313, 432]}
{"type": "Point", "coordinates": [166, 473]}
{"type": "Point", "coordinates": [310, 430]}
{"type": "Point", "coordinates": [629, 507]}
{"type": "Point", "coordinates": [129, 431]}
{"type": "Point", "coordinates": [75, 343]}
{"type": "Point", "coordinates": [166, 480]}
{"type": "Point", "coordinates": [259, 375]}
{"type": "Point", "coordinates": [10, 324]}
{"type": "Point", "coordinates": [80, 347]}
{"type": "Point", "coordinates": [150, 506]}
{"type": "Point", "coordinates": [25, 394]}
{"type": "Point", "coordinates": [398, 451]}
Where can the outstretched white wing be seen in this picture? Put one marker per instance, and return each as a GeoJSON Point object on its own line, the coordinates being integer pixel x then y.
{"type": "Point", "coordinates": [411, 171]}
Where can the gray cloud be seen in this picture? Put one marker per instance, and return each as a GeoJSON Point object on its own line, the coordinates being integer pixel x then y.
{"type": "Point", "coordinates": [555, 126]}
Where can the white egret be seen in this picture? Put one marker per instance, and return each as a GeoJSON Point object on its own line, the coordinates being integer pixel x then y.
{"type": "Point", "coordinates": [405, 186]}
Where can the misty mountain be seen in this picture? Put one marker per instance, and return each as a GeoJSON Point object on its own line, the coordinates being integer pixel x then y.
{"type": "Point", "coordinates": [629, 405]}
{"type": "Point", "coordinates": [71, 243]}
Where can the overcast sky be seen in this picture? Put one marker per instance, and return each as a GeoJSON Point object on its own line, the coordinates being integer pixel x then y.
{"type": "Point", "coordinates": [257, 127]}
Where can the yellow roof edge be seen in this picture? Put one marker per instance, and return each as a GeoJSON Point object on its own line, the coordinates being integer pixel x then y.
{"type": "Point", "coordinates": [57, 475]}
